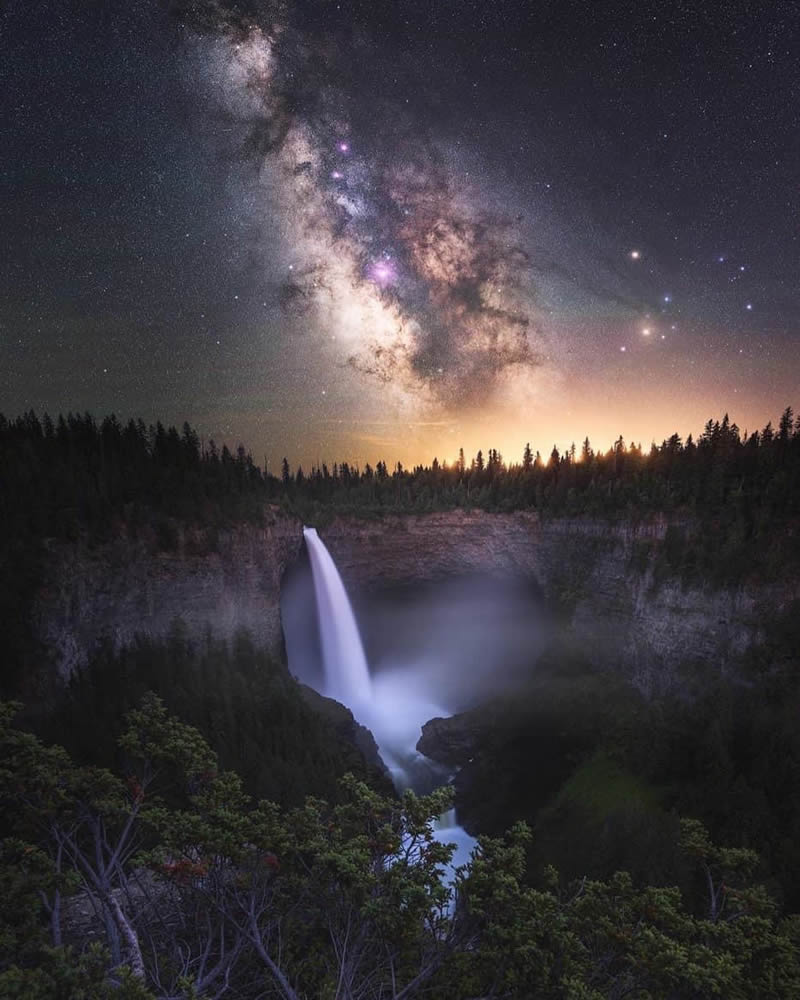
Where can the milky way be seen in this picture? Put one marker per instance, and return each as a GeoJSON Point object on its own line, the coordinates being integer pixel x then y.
{"type": "Point", "coordinates": [429, 293]}
{"type": "Point", "coordinates": [385, 230]}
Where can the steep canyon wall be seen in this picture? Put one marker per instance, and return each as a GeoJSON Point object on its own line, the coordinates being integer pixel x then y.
{"type": "Point", "coordinates": [599, 574]}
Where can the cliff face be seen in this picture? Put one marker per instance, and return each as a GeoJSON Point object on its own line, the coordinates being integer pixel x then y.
{"type": "Point", "coordinates": [599, 574]}
{"type": "Point", "coordinates": [127, 587]}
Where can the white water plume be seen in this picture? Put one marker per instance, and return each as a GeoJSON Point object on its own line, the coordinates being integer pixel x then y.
{"type": "Point", "coordinates": [346, 672]}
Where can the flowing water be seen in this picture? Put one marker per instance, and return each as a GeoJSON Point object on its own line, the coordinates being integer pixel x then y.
{"type": "Point", "coordinates": [346, 672]}
{"type": "Point", "coordinates": [392, 705]}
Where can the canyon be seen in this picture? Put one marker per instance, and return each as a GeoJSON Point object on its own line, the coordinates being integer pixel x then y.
{"type": "Point", "coordinates": [601, 577]}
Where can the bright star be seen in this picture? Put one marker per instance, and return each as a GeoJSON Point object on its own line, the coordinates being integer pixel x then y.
{"type": "Point", "coordinates": [635, 255]}
{"type": "Point", "coordinates": [343, 147]}
{"type": "Point", "coordinates": [646, 331]}
{"type": "Point", "coordinates": [749, 306]}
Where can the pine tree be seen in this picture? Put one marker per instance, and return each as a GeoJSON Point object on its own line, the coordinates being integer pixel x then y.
{"type": "Point", "coordinates": [527, 458]}
{"type": "Point", "coordinates": [785, 426]}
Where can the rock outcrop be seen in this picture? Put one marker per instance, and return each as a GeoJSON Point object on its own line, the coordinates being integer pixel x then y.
{"type": "Point", "coordinates": [454, 740]}
{"type": "Point", "coordinates": [350, 730]}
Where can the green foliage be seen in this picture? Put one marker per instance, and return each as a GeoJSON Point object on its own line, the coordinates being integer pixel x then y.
{"type": "Point", "coordinates": [215, 895]}
{"type": "Point", "coordinates": [65, 974]}
{"type": "Point", "coordinates": [600, 773]}
{"type": "Point", "coordinates": [243, 700]}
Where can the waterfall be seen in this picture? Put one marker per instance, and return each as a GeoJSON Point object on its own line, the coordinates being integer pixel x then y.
{"type": "Point", "coordinates": [447, 820]}
{"type": "Point", "coordinates": [346, 671]}
{"type": "Point", "coordinates": [394, 708]}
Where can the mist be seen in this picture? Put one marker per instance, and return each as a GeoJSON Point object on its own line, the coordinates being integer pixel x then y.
{"type": "Point", "coordinates": [434, 649]}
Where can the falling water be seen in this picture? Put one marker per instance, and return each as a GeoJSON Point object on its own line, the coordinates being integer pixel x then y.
{"type": "Point", "coordinates": [392, 708]}
{"type": "Point", "coordinates": [346, 671]}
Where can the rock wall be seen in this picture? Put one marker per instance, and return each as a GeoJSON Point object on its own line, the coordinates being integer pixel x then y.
{"type": "Point", "coordinates": [600, 574]}
{"type": "Point", "coordinates": [126, 587]}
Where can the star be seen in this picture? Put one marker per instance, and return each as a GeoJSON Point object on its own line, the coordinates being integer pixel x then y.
{"type": "Point", "coordinates": [623, 349]}
{"type": "Point", "coordinates": [646, 331]}
{"type": "Point", "coordinates": [749, 307]}
{"type": "Point", "coordinates": [635, 254]}
{"type": "Point", "coordinates": [344, 147]}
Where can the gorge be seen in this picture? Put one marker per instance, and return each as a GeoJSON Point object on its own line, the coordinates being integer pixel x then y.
{"type": "Point", "coordinates": [603, 590]}
{"type": "Point", "coordinates": [607, 579]}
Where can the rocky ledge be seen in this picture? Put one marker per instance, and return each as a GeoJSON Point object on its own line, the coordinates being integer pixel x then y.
{"type": "Point", "coordinates": [453, 741]}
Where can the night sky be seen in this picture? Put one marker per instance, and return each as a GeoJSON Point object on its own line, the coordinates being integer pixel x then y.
{"type": "Point", "coordinates": [375, 229]}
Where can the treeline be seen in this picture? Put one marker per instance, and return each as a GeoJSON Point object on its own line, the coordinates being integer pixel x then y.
{"type": "Point", "coordinates": [164, 881]}
{"type": "Point", "coordinates": [75, 473]}
{"type": "Point", "coordinates": [722, 468]}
